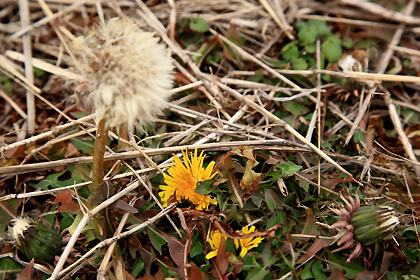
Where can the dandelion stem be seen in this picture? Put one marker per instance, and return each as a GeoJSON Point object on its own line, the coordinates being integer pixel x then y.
{"type": "Point", "coordinates": [98, 157]}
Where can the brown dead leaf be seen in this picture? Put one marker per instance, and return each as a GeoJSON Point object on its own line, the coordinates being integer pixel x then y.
{"type": "Point", "coordinates": [316, 246]}
{"type": "Point", "coordinates": [221, 263]}
{"type": "Point", "coordinates": [337, 274]}
{"type": "Point", "coordinates": [177, 252]}
{"type": "Point", "coordinates": [71, 151]}
{"type": "Point", "coordinates": [67, 202]}
{"type": "Point", "coordinates": [196, 273]}
{"type": "Point", "coordinates": [158, 276]}
{"type": "Point", "coordinates": [26, 273]}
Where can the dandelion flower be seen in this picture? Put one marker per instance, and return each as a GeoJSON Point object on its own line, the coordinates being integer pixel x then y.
{"type": "Point", "coordinates": [127, 73]}
{"type": "Point", "coordinates": [214, 240]}
{"type": "Point", "coordinates": [184, 177]}
{"type": "Point", "coordinates": [248, 243]}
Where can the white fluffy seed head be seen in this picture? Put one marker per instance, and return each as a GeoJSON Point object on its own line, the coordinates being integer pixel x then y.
{"type": "Point", "coordinates": [128, 73]}
{"type": "Point", "coordinates": [17, 229]}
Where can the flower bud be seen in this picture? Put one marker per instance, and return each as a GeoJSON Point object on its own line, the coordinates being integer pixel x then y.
{"type": "Point", "coordinates": [34, 240]}
{"type": "Point", "coordinates": [373, 223]}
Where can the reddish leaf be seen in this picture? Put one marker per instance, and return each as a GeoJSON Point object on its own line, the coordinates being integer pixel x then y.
{"type": "Point", "coordinates": [26, 273]}
{"type": "Point", "coordinates": [148, 256]}
{"type": "Point", "coordinates": [67, 202]}
{"type": "Point", "coordinates": [318, 245]}
{"type": "Point", "coordinates": [158, 276]}
{"type": "Point", "coordinates": [196, 273]}
{"type": "Point", "coordinates": [221, 262]}
{"type": "Point", "coordinates": [71, 151]}
{"type": "Point", "coordinates": [310, 228]}
{"type": "Point", "coordinates": [330, 184]}
{"type": "Point", "coordinates": [337, 274]}
{"type": "Point", "coordinates": [226, 162]}
{"type": "Point", "coordinates": [177, 252]}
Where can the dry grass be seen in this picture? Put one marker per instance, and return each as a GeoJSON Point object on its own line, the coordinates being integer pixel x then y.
{"type": "Point", "coordinates": [218, 104]}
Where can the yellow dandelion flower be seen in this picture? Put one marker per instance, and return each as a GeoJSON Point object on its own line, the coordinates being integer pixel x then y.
{"type": "Point", "coordinates": [214, 240]}
{"type": "Point", "coordinates": [184, 177]}
{"type": "Point", "coordinates": [248, 243]}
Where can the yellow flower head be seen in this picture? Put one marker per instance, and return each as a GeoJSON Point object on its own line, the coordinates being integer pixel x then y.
{"type": "Point", "coordinates": [184, 177]}
{"type": "Point", "coordinates": [248, 243]}
{"type": "Point", "coordinates": [214, 240]}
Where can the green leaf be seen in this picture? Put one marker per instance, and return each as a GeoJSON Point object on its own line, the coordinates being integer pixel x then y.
{"type": "Point", "coordinates": [82, 145]}
{"type": "Point", "coordinates": [50, 181]}
{"type": "Point", "coordinates": [299, 64]}
{"type": "Point", "coordinates": [318, 271]}
{"type": "Point", "coordinates": [138, 267]}
{"type": "Point", "coordinates": [197, 247]}
{"type": "Point", "coordinates": [8, 264]}
{"type": "Point", "coordinates": [296, 108]}
{"type": "Point", "coordinates": [199, 24]}
{"type": "Point", "coordinates": [359, 137]}
{"type": "Point", "coordinates": [321, 27]}
{"type": "Point", "coordinates": [306, 271]}
{"type": "Point", "coordinates": [290, 50]}
{"type": "Point", "coordinates": [332, 50]}
{"type": "Point", "coordinates": [272, 199]}
{"type": "Point", "coordinates": [204, 187]}
{"type": "Point", "coordinates": [156, 239]}
{"type": "Point", "coordinates": [311, 48]}
{"type": "Point", "coordinates": [308, 35]}
{"type": "Point", "coordinates": [348, 43]}
{"type": "Point", "coordinates": [289, 168]}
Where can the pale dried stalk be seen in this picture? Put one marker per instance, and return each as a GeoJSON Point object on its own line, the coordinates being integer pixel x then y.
{"type": "Point", "coordinates": [395, 118]}
{"type": "Point", "coordinates": [108, 254]}
{"type": "Point", "coordinates": [118, 237]}
{"type": "Point", "coordinates": [286, 126]}
{"type": "Point", "coordinates": [85, 220]}
{"type": "Point", "coordinates": [27, 52]}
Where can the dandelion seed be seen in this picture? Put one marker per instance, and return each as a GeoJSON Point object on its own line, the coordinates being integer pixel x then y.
{"type": "Point", "coordinates": [128, 73]}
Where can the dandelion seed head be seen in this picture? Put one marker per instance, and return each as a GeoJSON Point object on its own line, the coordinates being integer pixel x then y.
{"type": "Point", "coordinates": [128, 73]}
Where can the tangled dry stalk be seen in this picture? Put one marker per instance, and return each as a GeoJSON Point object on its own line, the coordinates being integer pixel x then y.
{"type": "Point", "coordinates": [41, 39]}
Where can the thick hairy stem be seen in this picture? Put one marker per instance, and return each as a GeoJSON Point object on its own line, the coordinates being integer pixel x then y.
{"type": "Point", "coordinates": [98, 157]}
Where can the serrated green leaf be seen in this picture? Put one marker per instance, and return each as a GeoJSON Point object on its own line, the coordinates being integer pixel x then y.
{"type": "Point", "coordinates": [318, 270]}
{"type": "Point", "coordinates": [307, 272]}
{"type": "Point", "coordinates": [199, 24]}
{"type": "Point", "coordinates": [332, 50]}
{"type": "Point", "coordinates": [50, 181]}
{"type": "Point", "coordinates": [289, 168]}
{"type": "Point", "coordinates": [156, 239]}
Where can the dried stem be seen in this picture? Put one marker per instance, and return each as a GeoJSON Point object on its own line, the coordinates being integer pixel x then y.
{"type": "Point", "coordinates": [98, 157]}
